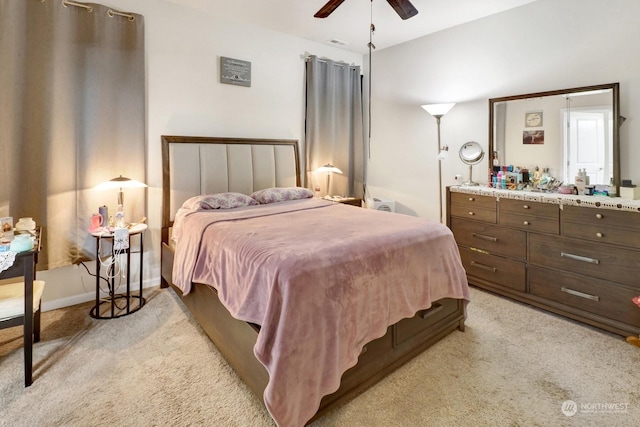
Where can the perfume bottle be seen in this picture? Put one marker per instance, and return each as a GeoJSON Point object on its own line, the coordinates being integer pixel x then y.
{"type": "Point", "coordinates": [612, 189]}
{"type": "Point", "coordinates": [120, 217]}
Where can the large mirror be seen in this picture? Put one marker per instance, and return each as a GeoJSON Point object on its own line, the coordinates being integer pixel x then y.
{"type": "Point", "coordinates": [560, 132]}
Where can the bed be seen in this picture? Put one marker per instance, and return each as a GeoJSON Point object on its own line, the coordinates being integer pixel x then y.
{"type": "Point", "coordinates": [283, 288]}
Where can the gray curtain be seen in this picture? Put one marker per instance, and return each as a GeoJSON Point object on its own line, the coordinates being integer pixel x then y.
{"type": "Point", "coordinates": [334, 131]}
{"type": "Point", "coordinates": [72, 115]}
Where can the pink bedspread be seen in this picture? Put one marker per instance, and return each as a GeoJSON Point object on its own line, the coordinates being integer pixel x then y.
{"type": "Point", "coordinates": [322, 279]}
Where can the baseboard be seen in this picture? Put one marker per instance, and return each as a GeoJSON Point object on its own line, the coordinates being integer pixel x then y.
{"type": "Point", "coordinates": [86, 297]}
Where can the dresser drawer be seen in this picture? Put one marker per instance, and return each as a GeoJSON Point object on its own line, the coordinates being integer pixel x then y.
{"type": "Point", "coordinates": [472, 212]}
{"type": "Point", "coordinates": [602, 234]}
{"type": "Point", "coordinates": [539, 224]}
{"type": "Point", "coordinates": [376, 348]}
{"type": "Point", "coordinates": [585, 293]}
{"type": "Point", "coordinates": [524, 207]}
{"type": "Point", "coordinates": [602, 217]}
{"type": "Point", "coordinates": [479, 202]}
{"type": "Point", "coordinates": [425, 319]}
{"type": "Point", "coordinates": [502, 271]}
{"type": "Point", "coordinates": [491, 238]}
{"type": "Point", "coordinates": [602, 261]}
{"type": "Point", "coordinates": [603, 226]}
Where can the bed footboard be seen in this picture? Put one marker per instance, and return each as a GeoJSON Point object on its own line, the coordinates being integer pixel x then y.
{"type": "Point", "coordinates": [403, 341]}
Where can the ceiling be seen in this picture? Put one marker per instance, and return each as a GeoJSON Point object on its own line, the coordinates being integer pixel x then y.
{"type": "Point", "coordinates": [350, 22]}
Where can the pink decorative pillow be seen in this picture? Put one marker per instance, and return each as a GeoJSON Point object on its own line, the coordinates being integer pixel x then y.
{"type": "Point", "coordinates": [281, 194]}
{"type": "Point", "coordinates": [219, 201]}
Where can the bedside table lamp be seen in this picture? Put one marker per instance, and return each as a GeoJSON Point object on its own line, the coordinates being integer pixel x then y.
{"type": "Point", "coordinates": [120, 182]}
{"type": "Point", "coordinates": [328, 168]}
{"type": "Point", "coordinates": [437, 111]}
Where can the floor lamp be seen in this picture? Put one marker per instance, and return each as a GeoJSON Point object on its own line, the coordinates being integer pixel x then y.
{"type": "Point", "coordinates": [437, 111]}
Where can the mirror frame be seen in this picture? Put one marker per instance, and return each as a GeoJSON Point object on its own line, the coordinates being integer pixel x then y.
{"type": "Point", "coordinates": [615, 88]}
{"type": "Point", "coordinates": [476, 159]}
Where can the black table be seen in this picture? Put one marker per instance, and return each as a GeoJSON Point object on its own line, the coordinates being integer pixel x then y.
{"type": "Point", "coordinates": [25, 266]}
{"type": "Point", "coordinates": [113, 297]}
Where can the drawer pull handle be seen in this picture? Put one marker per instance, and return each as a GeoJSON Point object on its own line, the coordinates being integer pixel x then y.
{"type": "Point", "coordinates": [484, 267]}
{"type": "Point", "coordinates": [599, 234]}
{"type": "Point", "coordinates": [471, 213]}
{"type": "Point", "coordinates": [483, 237]}
{"type": "Point", "coordinates": [579, 258]}
{"type": "Point", "coordinates": [472, 199]}
{"type": "Point", "coordinates": [526, 206]}
{"type": "Point", "coordinates": [526, 223]}
{"type": "Point", "coordinates": [436, 307]}
{"type": "Point", "coordinates": [599, 216]}
{"type": "Point", "coordinates": [580, 294]}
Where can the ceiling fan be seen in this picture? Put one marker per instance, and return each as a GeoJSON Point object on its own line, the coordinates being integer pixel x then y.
{"type": "Point", "coordinates": [404, 8]}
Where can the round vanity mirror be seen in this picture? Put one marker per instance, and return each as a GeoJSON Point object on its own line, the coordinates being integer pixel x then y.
{"type": "Point", "coordinates": [471, 153]}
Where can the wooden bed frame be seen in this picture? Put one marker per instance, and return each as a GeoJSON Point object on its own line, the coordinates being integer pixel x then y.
{"type": "Point", "coordinates": [235, 339]}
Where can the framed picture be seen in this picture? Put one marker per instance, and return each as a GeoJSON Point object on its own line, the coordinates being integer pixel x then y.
{"type": "Point", "coordinates": [6, 227]}
{"type": "Point", "coordinates": [235, 72]}
{"type": "Point", "coordinates": [533, 119]}
{"type": "Point", "coordinates": [533, 137]}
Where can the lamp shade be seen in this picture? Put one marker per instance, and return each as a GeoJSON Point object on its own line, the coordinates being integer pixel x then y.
{"type": "Point", "coordinates": [328, 168]}
{"type": "Point", "coordinates": [120, 182]}
{"type": "Point", "coordinates": [438, 109]}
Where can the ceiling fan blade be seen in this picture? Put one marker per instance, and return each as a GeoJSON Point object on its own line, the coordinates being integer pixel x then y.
{"type": "Point", "coordinates": [404, 8]}
{"type": "Point", "coordinates": [328, 8]}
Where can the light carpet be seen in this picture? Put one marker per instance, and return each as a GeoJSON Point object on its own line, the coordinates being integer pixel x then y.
{"type": "Point", "coordinates": [513, 366]}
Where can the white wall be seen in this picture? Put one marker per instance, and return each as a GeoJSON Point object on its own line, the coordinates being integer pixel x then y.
{"type": "Point", "coordinates": [544, 45]}
{"type": "Point", "coordinates": [185, 97]}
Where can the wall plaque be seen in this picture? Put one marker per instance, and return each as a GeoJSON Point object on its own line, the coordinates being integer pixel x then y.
{"type": "Point", "coordinates": [235, 72]}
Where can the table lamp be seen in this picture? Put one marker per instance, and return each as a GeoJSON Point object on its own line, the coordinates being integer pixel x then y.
{"type": "Point", "coordinates": [328, 168]}
{"type": "Point", "coordinates": [120, 182]}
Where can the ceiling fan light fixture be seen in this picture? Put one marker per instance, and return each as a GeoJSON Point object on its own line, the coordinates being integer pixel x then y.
{"type": "Point", "coordinates": [328, 8]}
{"type": "Point", "coordinates": [403, 8]}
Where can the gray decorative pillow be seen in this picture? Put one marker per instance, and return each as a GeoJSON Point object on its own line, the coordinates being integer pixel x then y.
{"type": "Point", "coordinates": [219, 201]}
{"type": "Point", "coordinates": [281, 194]}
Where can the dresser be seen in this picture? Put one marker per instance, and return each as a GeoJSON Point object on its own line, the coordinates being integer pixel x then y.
{"type": "Point", "coordinates": [576, 256]}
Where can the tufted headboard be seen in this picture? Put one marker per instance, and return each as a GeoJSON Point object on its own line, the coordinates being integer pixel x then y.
{"type": "Point", "coordinates": [202, 165]}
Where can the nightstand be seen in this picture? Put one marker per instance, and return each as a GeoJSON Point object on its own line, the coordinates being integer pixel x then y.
{"type": "Point", "coordinates": [350, 201]}
{"type": "Point", "coordinates": [119, 304]}
{"type": "Point", "coordinates": [353, 201]}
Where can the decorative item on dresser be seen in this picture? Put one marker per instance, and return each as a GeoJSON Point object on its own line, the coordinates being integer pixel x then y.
{"type": "Point", "coordinates": [577, 256]}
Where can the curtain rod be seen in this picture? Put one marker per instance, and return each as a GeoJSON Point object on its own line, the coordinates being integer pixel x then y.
{"type": "Point", "coordinates": [67, 3]}
{"type": "Point", "coordinates": [111, 12]}
{"type": "Point", "coordinates": [307, 57]}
